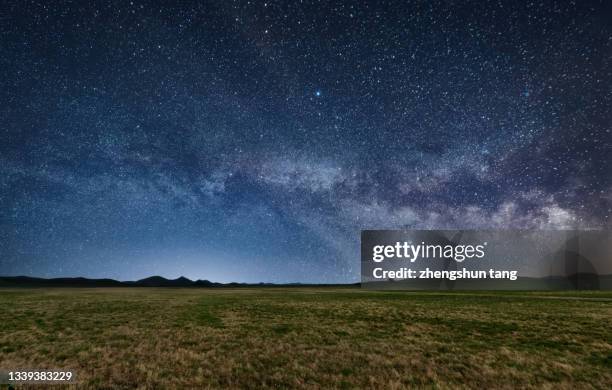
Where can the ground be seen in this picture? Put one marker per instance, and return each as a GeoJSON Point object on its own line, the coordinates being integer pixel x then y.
{"type": "Point", "coordinates": [310, 337]}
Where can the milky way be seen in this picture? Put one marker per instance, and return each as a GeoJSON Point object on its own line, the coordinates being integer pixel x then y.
{"type": "Point", "coordinates": [251, 141]}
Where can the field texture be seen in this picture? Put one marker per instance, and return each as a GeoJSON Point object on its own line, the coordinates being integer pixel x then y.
{"type": "Point", "coordinates": [310, 338]}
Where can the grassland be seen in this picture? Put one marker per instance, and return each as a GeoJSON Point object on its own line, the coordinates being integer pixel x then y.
{"type": "Point", "coordinates": [310, 338]}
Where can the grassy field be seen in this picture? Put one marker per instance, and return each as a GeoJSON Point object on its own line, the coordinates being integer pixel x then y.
{"type": "Point", "coordinates": [310, 337]}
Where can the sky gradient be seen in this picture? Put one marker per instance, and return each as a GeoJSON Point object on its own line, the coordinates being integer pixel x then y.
{"type": "Point", "coordinates": [251, 141]}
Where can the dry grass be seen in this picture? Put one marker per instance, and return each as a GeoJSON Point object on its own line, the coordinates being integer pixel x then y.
{"type": "Point", "coordinates": [309, 338]}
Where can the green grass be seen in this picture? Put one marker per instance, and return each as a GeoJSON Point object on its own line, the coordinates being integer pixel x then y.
{"type": "Point", "coordinates": [310, 337]}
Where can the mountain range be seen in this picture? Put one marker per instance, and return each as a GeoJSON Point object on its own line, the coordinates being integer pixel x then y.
{"type": "Point", "coordinates": [152, 281]}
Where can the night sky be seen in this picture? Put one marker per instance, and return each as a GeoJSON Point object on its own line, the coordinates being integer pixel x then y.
{"type": "Point", "coordinates": [251, 141]}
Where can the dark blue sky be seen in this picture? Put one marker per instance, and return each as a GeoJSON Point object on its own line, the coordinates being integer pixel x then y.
{"type": "Point", "coordinates": [251, 141]}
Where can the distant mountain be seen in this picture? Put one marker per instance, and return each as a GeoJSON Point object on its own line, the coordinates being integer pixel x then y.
{"type": "Point", "coordinates": [160, 281]}
{"type": "Point", "coordinates": [153, 281]}
{"type": "Point", "coordinates": [26, 281]}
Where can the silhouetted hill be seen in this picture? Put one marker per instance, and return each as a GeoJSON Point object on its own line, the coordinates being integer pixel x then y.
{"type": "Point", "coordinates": [18, 281]}
{"type": "Point", "coordinates": [160, 281]}
{"type": "Point", "coordinates": [152, 281]}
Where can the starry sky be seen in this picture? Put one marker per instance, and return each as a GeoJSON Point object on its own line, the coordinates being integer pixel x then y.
{"type": "Point", "coordinates": [252, 140]}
